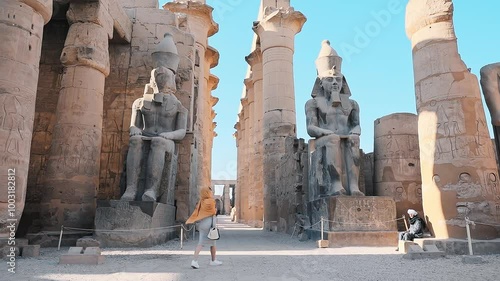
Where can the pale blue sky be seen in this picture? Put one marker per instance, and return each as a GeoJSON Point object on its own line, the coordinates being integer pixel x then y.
{"type": "Point", "coordinates": [379, 69]}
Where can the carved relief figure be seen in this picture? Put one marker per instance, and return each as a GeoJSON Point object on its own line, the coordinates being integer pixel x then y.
{"type": "Point", "coordinates": [159, 118]}
{"type": "Point", "coordinates": [333, 119]}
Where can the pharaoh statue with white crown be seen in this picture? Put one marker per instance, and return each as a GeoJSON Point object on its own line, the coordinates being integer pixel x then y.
{"type": "Point", "coordinates": [158, 121]}
{"type": "Point", "coordinates": [333, 120]}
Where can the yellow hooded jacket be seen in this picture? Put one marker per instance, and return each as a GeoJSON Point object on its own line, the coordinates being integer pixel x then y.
{"type": "Point", "coordinates": [205, 207]}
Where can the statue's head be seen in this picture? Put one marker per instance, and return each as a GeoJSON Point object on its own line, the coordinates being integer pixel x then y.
{"type": "Point", "coordinates": [162, 80]}
{"type": "Point", "coordinates": [330, 82]}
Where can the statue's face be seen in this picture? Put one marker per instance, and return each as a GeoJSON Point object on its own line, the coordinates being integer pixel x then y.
{"type": "Point", "coordinates": [161, 79]}
{"type": "Point", "coordinates": [332, 84]}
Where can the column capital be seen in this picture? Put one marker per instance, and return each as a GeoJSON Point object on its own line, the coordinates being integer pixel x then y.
{"type": "Point", "coordinates": [91, 12]}
{"type": "Point", "coordinates": [43, 7]}
{"type": "Point", "coordinates": [214, 100]}
{"type": "Point", "coordinates": [420, 14]}
{"type": "Point", "coordinates": [87, 39]}
{"type": "Point", "coordinates": [213, 82]}
{"type": "Point", "coordinates": [254, 57]}
{"type": "Point", "coordinates": [249, 83]}
{"type": "Point", "coordinates": [279, 27]}
{"type": "Point", "coordinates": [212, 56]}
{"type": "Point", "coordinates": [199, 10]}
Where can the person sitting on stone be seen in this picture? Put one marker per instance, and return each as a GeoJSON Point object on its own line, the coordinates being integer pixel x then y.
{"type": "Point", "coordinates": [416, 229]}
{"type": "Point", "coordinates": [333, 119]}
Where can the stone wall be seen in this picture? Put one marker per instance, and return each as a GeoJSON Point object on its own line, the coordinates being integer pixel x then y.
{"type": "Point", "coordinates": [291, 179]}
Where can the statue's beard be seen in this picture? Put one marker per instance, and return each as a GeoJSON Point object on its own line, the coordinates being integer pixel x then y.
{"type": "Point", "coordinates": [333, 96]}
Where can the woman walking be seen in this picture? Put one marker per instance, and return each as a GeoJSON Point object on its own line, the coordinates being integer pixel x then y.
{"type": "Point", "coordinates": [204, 215]}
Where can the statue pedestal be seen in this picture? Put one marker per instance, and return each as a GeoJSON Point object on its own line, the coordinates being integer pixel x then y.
{"type": "Point", "coordinates": [136, 222]}
{"type": "Point", "coordinates": [356, 221]}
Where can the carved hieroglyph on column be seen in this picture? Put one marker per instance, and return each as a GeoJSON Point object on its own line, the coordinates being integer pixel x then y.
{"type": "Point", "coordinates": [459, 172]}
{"type": "Point", "coordinates": [277, 32]}
{"type": "Point", "coordinates": [21, 31]}
{"type": "Point", "coordinates": [255, 62]}
{"type": "Point", "coordinates": [72, 174]}
{"type": "Point", "coordinates": [396, 162]}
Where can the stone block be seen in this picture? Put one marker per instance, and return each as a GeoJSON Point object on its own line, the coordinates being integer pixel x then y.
{"type": "Point", "coordinates": [363, 238]}
{"type": "Point", "coordinates": [472, 260]}
{"type": "Point", "coordinates": [92, 251]}
{"type": "Point", "coordinates": [416, 252]}
{"type": "Point", "coordinates": [347, 213]}
{"type": "Point", "coordinates": [404, 246]}
{"type": "Point", "coordinates": [81, 259]}
{"type": "Point", "coordinates": [6, 252]}
{"type": "Point", "coordinates": [323, 243]}
{"type": "Point", "coordinates": [21, 242]}
{"type": "Point", "coordinates": [87, 242]}
{"type": "Point", "coordinates": [75, 250]}
{"type": "Point", "coordinates": [133, 216]}
{"type": "Point", "coordinates": [31, 251]}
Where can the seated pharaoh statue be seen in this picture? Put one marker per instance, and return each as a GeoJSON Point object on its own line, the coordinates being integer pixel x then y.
{"type": "Point", "coordinates": [333, 120]}
{"type": "Point", "coordinates": [158, 120]}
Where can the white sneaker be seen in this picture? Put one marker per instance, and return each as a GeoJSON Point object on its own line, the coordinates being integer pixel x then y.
{"type": "Point", "coordinates": [215, 262]}
{"type": "Point", "coordinates": [194, 264]}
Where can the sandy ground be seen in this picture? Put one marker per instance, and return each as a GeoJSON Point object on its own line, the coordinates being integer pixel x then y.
{"type": "Point", "coordinates": [252, 254]}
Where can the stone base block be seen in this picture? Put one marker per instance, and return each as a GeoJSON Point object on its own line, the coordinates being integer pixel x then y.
{"type": "Point", "coordinates": [30, 251]}
{"type": "Point", "coordinates": [323, 243]}
{"type": "Point", "coordinates": [404, 246]}
{"type": "Point", "coordinates": [428, 252]}
{"type": "Point", "coordinates": [134, 223]}
{"type": "Point", "coordinates": [347, 213]}
{"type": "Point", "coordinates": [76, 255]}
{"type": "Point", "coordinates": [9, 251]}
{"type": "Point", "coordinates": [461, 247]}
{"type": "Point", "coordinates": [87, 242]}
{"type": "Point", "coordinates": [363, 239]}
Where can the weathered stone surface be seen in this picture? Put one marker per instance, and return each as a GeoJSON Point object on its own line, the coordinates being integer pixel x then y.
{"type": "Point", "coordinates": [354, 213]}
{"type": "Point", "coordinates": [277, 32]}
{"type": "Point", "coordinates": [397, 164]}
{"type": "Point", "coordinates": [85, 242]}
{"type": "Point", "coordinates": [31, 251]}
{"type": "Point", "coordinates": [136, 223]}
{"type": "Point", "coordinates": [21, 36]}
{"type": "Point", "coordinates": [489, 84]}
{"type": "Point", "coordinates": [458, 166]}
{"type": "Point", "coordinates": [362, 238]}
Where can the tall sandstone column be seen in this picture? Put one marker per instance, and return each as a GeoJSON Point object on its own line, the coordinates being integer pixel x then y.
{"type": "Point", "coordinates": [21, 31]}
{"type": "Point", "coordinates": [459, 172]}
{"type": "Point", "coordinates": [72, 174]}
{"type": "Point", "coordinates": [255, 62]}
{"type": "Point", "coordinates": [277, 32]}
{"type": "Point", "coordinates": [202, 26]}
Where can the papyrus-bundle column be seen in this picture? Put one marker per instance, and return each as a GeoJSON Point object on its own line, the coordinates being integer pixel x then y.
{"type": "Point", "coordinates": [257, 207]}
{"type": "Point", "coordinates": [72, 174]}
{"type": "Point", "coordinates": [459, 172]}
{"type": "Point", "coordinates": [277, 32]}
{"type": "Point", "coordinates": [21, 32]}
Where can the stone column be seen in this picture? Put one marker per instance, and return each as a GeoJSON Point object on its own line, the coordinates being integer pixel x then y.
{"type": "Point", "coordinates": [397, 164]}
{"type": "Point", "coordinates": [227, 200]}
{"type": "Point", "coordinates": [202, 26]}
{"type": "Point", "coordinates": [255, 62]}
{"type": "Point", "coordinates": [459, 173]}
{"type": "Point", "coordinates": [240, 131]}
{"type": "Point", "coordinates": [72, 175]}
{"type": "Point", "coordinates": [21, 32]}
{"type": "Point", "coordinates": [277, 32]}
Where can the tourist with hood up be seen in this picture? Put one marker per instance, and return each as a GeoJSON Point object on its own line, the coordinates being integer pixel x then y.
{"type": "Point", "coordinates": [204, 216]}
